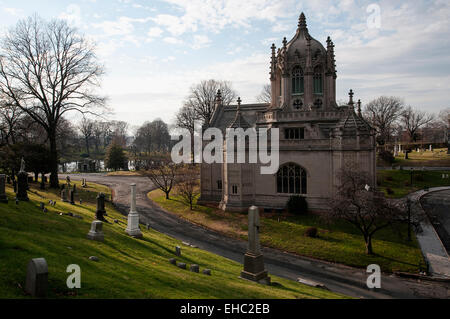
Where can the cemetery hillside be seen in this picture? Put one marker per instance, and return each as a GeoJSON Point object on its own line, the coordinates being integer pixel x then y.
{"type": "Point", "coordinates": [280, 153]}
{"type": "Point", "coordinates": [125, 267]}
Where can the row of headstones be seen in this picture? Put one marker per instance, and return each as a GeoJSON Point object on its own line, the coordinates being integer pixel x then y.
{"type": "Point", "coordinates": [398, 150]}
{"type": "Point", "coordinates": [254, 270]}
{"type": "Point", "coordinates": [20, 188]}
{"type": "Point", "coordinates": [96, 231]}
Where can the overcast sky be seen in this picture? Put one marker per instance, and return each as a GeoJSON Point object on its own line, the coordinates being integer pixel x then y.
{"type": "Point", "coordinates": [155, 50]}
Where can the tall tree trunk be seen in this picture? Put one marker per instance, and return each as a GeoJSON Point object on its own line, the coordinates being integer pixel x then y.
{"type": "Point", "coordinates": [54, 181]}
{"type": "Point", "coordinates": [87, 146]}
{"type": "Point", "coordinates": [369, 250]}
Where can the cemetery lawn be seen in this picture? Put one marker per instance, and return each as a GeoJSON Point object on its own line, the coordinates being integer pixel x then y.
{"type": "Point", "coordinates": [338, 242]}
{"type": "Point", "coordinates": [127, 267]}
{"type": "Point", "coordinates": [397, 183]}
{"type": "Point", "coordinates": [436, 158]}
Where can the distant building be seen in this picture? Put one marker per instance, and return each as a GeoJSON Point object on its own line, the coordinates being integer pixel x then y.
{"type": "Point", "coordinates": [87, 166]}
{"type": "Point", "coordinates": [317, 137]}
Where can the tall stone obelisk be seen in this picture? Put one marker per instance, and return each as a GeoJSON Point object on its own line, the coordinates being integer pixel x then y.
{"type": "Point", "coordinates": [133, 216]}
{"type": "Point", "coordinates": [253, 260]}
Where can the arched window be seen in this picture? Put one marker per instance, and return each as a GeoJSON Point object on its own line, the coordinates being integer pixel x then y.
{"type": "Point", "coordinates": [318, 83]}
{"type": "Point", "coordinates": [297, 80]}
{"type": "Point", "coordinates": [291, 179]}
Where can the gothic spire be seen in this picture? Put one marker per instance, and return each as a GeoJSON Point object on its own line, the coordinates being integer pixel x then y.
{"type": "Point", "coordinates": [302, 22]}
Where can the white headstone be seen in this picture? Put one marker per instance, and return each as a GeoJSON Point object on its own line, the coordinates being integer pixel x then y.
{"type": "Point", "coordinates": [96, 232]}
{"type": "Point", "coordinates": [133, 216]}
{"type": "Point", "coordinates": [37, 278]}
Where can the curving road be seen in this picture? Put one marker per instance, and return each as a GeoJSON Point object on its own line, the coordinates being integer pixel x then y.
{"type": "Point", "coordinates": [338, 278]}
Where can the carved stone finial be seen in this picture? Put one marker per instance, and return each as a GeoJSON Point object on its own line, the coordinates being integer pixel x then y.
{"type": "Point", "coordinates": [350, 94]}
{"type": "Point", "coordinates": [359, 108]}
{"type": "Point", "coordinates": [284, 42]}
{"type": "Point", "coordinates": [239, 102]}
{"type": "Point", "coordinates": [302, 21]}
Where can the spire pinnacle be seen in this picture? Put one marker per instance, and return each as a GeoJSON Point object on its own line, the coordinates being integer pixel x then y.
{"type": "Point", "coordinates": [302, 21]}
{"type": "Point", "coordinates": [350, 94]}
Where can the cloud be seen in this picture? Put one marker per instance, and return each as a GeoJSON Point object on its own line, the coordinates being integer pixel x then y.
{"type": "Point", "coordinates": [72, 15]}
{"type": "Point", "coordinates": [200, 41]}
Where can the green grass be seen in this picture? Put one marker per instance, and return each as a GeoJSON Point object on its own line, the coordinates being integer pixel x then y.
{"type": "Point", "coordinates": [338, 242]}
{"type": "Point", "coordinates": [128, 268]}
{"type": "Point", "coordinates": [397, 183]}
{"type": "Point", "coordinates": [436, 158]}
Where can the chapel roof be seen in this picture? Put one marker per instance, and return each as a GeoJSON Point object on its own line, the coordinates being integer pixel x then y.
{"type": "Point", "coordinates": [299, 43]}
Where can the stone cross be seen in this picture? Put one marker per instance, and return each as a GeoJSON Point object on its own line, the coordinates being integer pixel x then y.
{"type": "Point", "coordinates": [100, 212]}
{"type": "Point", "coordinates": [3, 197]}
{"type": "Point", "coordinates": [133, 216]}
{"type": "Point", "coordinates": [96, 232]}
{"type": "Point", "coordinates": [37, 278]}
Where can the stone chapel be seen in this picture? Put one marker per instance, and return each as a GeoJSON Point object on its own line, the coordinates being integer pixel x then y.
{"type": "Point", "coordinates": [317, 136]}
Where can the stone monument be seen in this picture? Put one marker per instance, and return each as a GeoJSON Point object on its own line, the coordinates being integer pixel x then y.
{"type": "Point", "coordinates": [133, 216]}
{"type": "Point", "coordinates": [96, 232]}
{"type": "Point", "coordinates": [64, 194]}
{"type": "Point", "coordinates": [22, 183]}
{"type": "Point", "coordinates": [72, 197]}
{"type": "Point", "coordinates": [37, 278]}
{"type": "Point", "coordinates": [3, 197]}
{"type": "Point", "coordinates": [100, 212]}
{"type": "Point", "coordinates": [253, 260]}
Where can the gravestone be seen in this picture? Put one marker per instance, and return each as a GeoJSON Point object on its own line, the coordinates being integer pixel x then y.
{"type": "Point", "coordinates": [22, 183]}
{"type": "Point", "coordinates": [37, 278]}
{"type": "Point", "coordinates": [100, 212]}
{"type": "Point", "coordinates": [68, 181]}
{"type": "Point", "coordinates": [42, 185]}
{"type": "Point", "coordinates": [181, 265]}
{"type": "Point", "coordinates": [195, 268]}
{"type": "Point", "coordinates": [3, 197]}
{"type": "Point", "coordinates": [64, 194]}
{"type": "Point", "coordinates": [207, 272]}
{"type": "Point", "coordinates": [173, 261]}
{"type": "Point", "coordinates": [96, 232]}
{"type": "Point", "coordinates": [253, 260]}
{"type": "Point", "coordinates": [133, 216]}
{"type": "Point", "coordinates": [178, 251]}
{"type": "Point", "coordinates": [71, 196]}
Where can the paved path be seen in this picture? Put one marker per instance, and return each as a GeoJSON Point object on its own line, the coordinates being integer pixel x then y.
{"type": "Point", "coordinates": [342, 279]}
{"type": "Point", "coordinates": [435, 240]}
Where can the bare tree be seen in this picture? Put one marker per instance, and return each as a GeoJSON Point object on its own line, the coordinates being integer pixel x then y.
{"type": "Point", "coordinates": [382, 113]}
{"type": "Point", "coordinates": [47, 70]}
{"type": "Point", "coordinates": [266, 94]}
{"type": "Point", "coordinates": [11, 117]}
{"type": "Point", "coordinates": [413, 120]}
{"type": "Point", "coordinates": [188, 186]}
{"type": "Point", "coordinates": [357, 203]}
{"type": "Point", "coordinates": [163, 176]}
{"type": "Point", "coordinates": [86, 128]}
{"type": "Point", "coordinates": [203, 95]}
